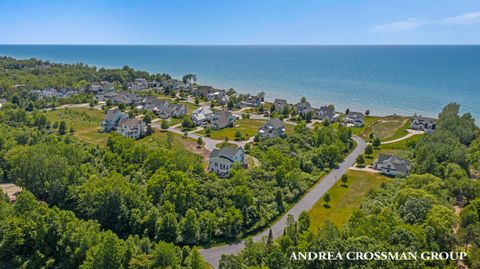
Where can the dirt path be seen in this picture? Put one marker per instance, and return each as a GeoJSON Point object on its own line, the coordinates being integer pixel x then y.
{"type": "Point", "coordinates": [410, 134]}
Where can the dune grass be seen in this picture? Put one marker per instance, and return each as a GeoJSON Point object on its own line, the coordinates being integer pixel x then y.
{"type": "Point", "coordinates": [344, 200]}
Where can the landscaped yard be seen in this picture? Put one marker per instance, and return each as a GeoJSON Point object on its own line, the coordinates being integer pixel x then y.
{"type": "Point", "coordinates": [386, 128]}
{"type": "Point", "coordinates": [344, 200]}
{"type": "Point", "coordinates": [393, 148]}
{"type": "Point", "coordinates": [247, 127]}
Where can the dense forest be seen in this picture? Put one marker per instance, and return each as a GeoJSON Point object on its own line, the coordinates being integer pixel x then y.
{"type": "Point", "coordinates": [435, 209]}
{"type": "Point", "coordinates": [133, 204]}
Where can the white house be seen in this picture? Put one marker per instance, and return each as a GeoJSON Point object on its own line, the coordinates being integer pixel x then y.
{"type": "Point", "coordinates": [272, 128]}
{"type": "Point", "coordinates": [221, 160]}
{"type": "Point", "coordinates": [392, 166]}
{"type": "Point", "coordinates": [132, 128]}
{"type": "Point", "coordinates": [201, 115]}
{"type": "Point", "coordinates": [428, 125]}
{"type": "Point", "coordinates": [112, 118]}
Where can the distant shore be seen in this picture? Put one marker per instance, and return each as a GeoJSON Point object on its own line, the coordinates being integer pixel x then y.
{"type": "Point", "coordinates": [386, 80]}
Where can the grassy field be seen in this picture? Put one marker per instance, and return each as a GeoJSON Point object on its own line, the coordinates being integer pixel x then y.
{"type": "Point", "coordinates": [85, 122]}
{"type": "Point", "coordinates": [344, 200]}
{"type": "Point", "coordinates": [78, 118]}
{"type": "Point", "coordinates": [386, 128]}
{"type": "Point", "coordinates": [368, 121]}
{"type": "Point", "coordinates": [247, 127]}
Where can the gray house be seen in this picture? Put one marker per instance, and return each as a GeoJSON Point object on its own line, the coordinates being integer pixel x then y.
{"type": "Point", "coordinates": [356, 119]}
{"type": "Point", "coordinates": [391, 165]}
{"type": "Point", "coordinates": [428, 125]}
{"type": "Point", "coordinates": [280, 105]}
{"type": "Point", "coordinates": [222, 119]}
{"type": "Point", "coordinates": [220, 161]}
{"type": "Point", "coordinates": [112, 118]}
{"type": "Point", "coordinates": [272, 128]}
{"type": "Point", "coordinates": [325, 113]}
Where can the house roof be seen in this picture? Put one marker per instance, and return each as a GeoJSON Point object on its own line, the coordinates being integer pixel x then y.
{"type": "Point", "coordinates": [226, 152]}
{"type": "Point", "coordinates": [221, 117]}
{"type": "Point", "coordinates": [130, 122]}
{"type": "Point", "coordinates": [111, 113]}
{"type": "Point", "coordinates": [275, 123]}
{"type": "Point", "coordinates": [202, 110]}
{"type": "Point", "coordinates": [354, 115]}
{"type": "Point", "coordinates": [424, 119]}
{"type": "Point", "coordinates": [398, 164]}
{"type": "Point", "coordinates": [280, 102]}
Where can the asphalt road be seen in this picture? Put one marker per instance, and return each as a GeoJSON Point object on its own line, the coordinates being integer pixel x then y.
{"type": "Point", "coordinates": [213, 255]}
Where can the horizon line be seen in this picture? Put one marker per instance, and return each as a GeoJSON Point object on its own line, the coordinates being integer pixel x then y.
{"type": "Point", "coordinates": [233, 45]}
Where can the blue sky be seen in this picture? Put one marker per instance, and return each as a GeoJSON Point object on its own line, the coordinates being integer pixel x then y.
{"type": "Point", "coordinates": [240, 22]}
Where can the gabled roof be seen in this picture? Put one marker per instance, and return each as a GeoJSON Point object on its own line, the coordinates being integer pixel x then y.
{"type": "Point", "coordinates": [111, 113]}
{"type": "Point", "coordinates": [226, 153]}
{"type": "Point", "coordinates": [130, 123]}
{"type": "Point", "coordinates": [280, 102]}
{"type": "Point", "coordinates": [397, 163]}
{"type": "Point", "coordinates": [355, 115]}
{"type": "Point", "coordinates": [275, 123]}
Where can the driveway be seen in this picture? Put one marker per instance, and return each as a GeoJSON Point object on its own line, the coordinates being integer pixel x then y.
{"type": "Point", "coordinates": [213, 255]}
{"type": "Point", "coordinates": [410, 134]}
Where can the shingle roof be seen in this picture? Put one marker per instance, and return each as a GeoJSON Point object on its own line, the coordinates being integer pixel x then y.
{"type": "Point", "coordinates": [226, 152]}
{"type": "Point", "coordinates": [399, 164]}
{"type": "Point", "coordinates": [275, 123]}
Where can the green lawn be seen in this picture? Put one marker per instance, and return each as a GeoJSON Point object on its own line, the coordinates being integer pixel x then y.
{"type": "Point", "coordinates": [344, 200]}
{"type": "Point", "coordinates": [393, 148]}
{"type": "Point", "coordinates": [386, 128]}
{"type": "Point", "coordinates": [247, 127]}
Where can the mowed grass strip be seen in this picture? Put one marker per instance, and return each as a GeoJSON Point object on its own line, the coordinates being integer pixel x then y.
{"type": "Point", "coordinates": [344, 200]}
{"type": "Point", "coordinates": [247, 127]}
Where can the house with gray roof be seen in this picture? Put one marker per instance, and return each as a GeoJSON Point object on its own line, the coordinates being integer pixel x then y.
{"type": "Point", "coordinates": [302, 108]}
{"type": "Point", "coordinates": [356, 119]}
{"type": "Point", "coordinates": [220, 161]}
{"type": "Point", "coordinates": [272, 128]}
{"type": "Point", "coordinates": [112, 118]}
{"type": "Point", "coordinates": [222, 119]}
{"type": "Point", "coordinates": [428, 125]}
{"type": "Point", "coordinates": [325, 113]}
{"type": "Point", "coordinates": [280, 105]}
{"type": "Point", "coordinates": [391, 165]}
{"type": "Point", "coordinates": [131, 128]}
{"type": "Point", "coordinates": [202, 115]}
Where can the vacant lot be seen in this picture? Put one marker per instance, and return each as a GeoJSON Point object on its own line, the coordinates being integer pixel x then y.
{"type": "Point", "coordinates": [344, 200]}
{"type": "Point", "coordinates": [386, 128]}
{"type": "Point", "coordinates": [247, 127]}
{"type": "Point", "coordinates": [78, 117]}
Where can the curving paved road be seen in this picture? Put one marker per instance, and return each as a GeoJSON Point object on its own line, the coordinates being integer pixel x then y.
{"type": "Point", "coordinates": [213, 255]}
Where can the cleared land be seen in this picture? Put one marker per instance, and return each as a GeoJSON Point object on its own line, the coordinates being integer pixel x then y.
{"type": "Point", "coordinates": [344, 200]}
{"type": "Point", "coordinates": [85, 122]}
{"type": "Point", "coordinates": [247, 127]}
{"type": "Point", "coordinates": [386, 128]}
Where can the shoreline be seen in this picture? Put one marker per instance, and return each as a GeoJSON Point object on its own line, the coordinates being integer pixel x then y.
{"type": "Point", "coordinates": [380, 110]}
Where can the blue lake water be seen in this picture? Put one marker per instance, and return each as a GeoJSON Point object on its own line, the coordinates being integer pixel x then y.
{"type": "Point", "coordinates": [384, 79]}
